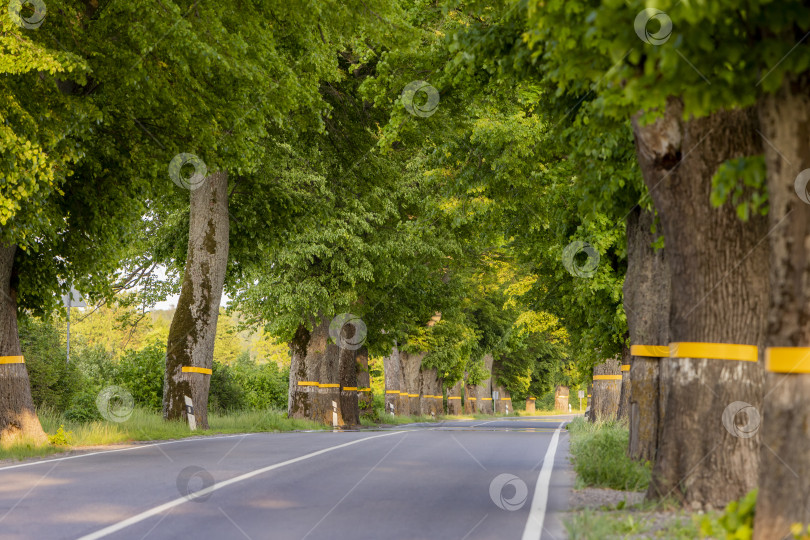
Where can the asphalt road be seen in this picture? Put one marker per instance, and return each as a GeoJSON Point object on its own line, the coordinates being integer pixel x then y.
{"type": "Point", "coordinates": [456, 480]}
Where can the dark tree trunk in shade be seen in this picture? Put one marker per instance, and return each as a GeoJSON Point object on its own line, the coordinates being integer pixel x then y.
{"type": "Point", "coordinates": [784, 489]}
{"type": "Point", "coordinates": [393, 381]}
{"type": "Point", "coordinates": [623, 412]}
{"type": "Point", "coordinates": [606, 392]}
{"type": "Point", "coordinates": [716, 264]}
{"type": "Point", "coordinates": [194, 326]}
{"type": "Point", "coordinates": [646, 304]}
{"type": "Point", "coordinates": [18, 416]}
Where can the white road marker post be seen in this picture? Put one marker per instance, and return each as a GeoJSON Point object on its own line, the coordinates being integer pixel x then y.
{"type": "Point", "coordinates": [334, 414]}
{"type": "Point", "coordinates": [192, 422]}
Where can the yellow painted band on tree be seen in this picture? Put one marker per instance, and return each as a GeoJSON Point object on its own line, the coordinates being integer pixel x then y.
{"type": "Point", "coordinates": [607, 377]}
{"type": "Point", "coordinates": [307, 383]}
{"type": "Point", "coordinates": [365, 390]}
{"type": "Point", "coordinates": [413, 395]}
{"type": "Point", "coordinates": [192, 369]}
{"type": "Point", "coordinates": [392, 391]}
{"type": "Point", "coordinates": [533, 398]}
{"type": "Point", "coordinates": [328, 385]}
{"type": "Point", "coordinates": [625, 367]}
{"type": "Point", "coordinates": [350, 388]}
{"type": "Point", "coordinates": [12, 360]}
{"type": "Point", "coordinates": [472, 398]}
{"type": "Point", "coordinates": [651, 351]}
{"type": "Point", "coordinates": [454, 397]}
{"type": "Point", "coordinates": [487, 398]}
{"type": "Point", "coordinates": [715, 351]}
{"type": "Point", "coordinates": [787, 359]}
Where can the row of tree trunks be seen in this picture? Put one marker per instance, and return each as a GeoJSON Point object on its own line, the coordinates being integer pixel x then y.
{"type": "Point", "coordinates": [784, 492]}
{"type": "Point", "coordinates": [716, 263]}
{"type": "Point", "coordinates": [18, 416]}
{"type": "Point", "coordinates": [194, 326]}
{"type": "Point", "coordinates": [646, 304]}
{"type": "Point", "coordinates": [606, 392]}
{"type": "Point", "coordinates": [320, 371]}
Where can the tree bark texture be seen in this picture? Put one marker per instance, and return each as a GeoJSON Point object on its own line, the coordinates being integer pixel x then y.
{"type": "Point", "coordinates": [561, 398]}
{"type": "Point", "coordinates": [623, 412]}
{"type": "Point", "coordinates": [784, 486]}
{"type": "Point", "coordinates": [530, 406]}
{"type": "Point", "coordinates": [606, 392]}
{"type": "Point", "coordinates": [393, 381]}
{"type": "Point", "coordinates": [470, 399]}
{"type": "Point", "coordinates": [646, 304]}
{"type": "Point", "coordinates": [349, 368]}
{"type": "Point", "coordinates": [411, 362]}
{"type": "Point", "coordinates": [716, 264]}
{"type": "Point", "coordinates": [430, 385]}
{"type": "Point", "coordinates": [194, 325]}
{"type": "Point", "coordinates": [364, 397]}
{"type": "Point", "coordinates": [503, 404]}
{"type": "Point", "coordinates": [18, 416]}
{"type": "Point", "coordinates": [454, 399]}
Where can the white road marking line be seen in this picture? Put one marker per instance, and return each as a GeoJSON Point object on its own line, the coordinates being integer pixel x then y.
{"type": "Point", "coordinates": [534, 525]}
{"type": "Point", "coordinates": [139, 447]}
{"type": "Point", "coordinates": [225, 483]}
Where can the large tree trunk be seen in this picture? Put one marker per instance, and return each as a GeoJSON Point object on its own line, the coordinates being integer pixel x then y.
{"type": "Point", "coordinates": [454, 399]}
{"type": "Point", "coordinates": [503, 404]}
{"type": "Point", "coordinates": [315, 375]}
{"type": "Point", "coordinates": [349, 403]}
{"type": "Point", "coordinates": [393, 380]}
{"type": "Point", "coordinates": [624, 393]}
{"type": "Point", "coordinates": [607, 387]}
{"type": "Point", "coordinates": [431, 392]}
{"type": "Point", "coordinates": [470, 399]}
{"type": "Point", "coordinates": [646, 304]}
{"type": "Point", "coordinates": [784, 490]}
{"type": "Point", "coordinates": [410, 376]}
{"type": "Point", "coordinates": [194, 326]}
{"type": "Point", "coordinates": [716, 266]}
{"type": "Point", "coordinates": [18, 417]}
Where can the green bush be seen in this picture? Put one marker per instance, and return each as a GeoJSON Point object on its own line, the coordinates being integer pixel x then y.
{"type": "Point", "coordinates": [141, 372]}
{"type": "Point", "coordinates": [53, 380]}
{"type": "Point", "coordinates": [599, 452]}
{"type": "Point", "coordinates": [737, 521]}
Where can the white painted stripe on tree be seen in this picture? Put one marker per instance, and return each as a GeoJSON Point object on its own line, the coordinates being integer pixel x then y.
{"type": "Point", "coordinates": [225, 483]}
{"type": "Point", "coordinates": [537, 513]}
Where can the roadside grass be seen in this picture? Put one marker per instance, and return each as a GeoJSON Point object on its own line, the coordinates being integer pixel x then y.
{"type": "Point", "coordinates": [599, 455]}
{"type": "Point", "coordinates": [144, 425]}
{"type": "Point", "coordinates": [598, 525]}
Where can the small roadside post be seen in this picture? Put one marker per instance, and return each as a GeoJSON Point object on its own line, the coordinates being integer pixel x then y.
{"type": "Point", "coordinates": [192, 422]}
{"type": "Point", "coordinates": [581, 394]}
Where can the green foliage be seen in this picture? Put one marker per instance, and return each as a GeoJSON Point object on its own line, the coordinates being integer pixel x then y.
{"type": "Point", "coordinates": [61, 437]}
{"type": "Point", "coordinates": [742, 180]}
{"type": "Point", "coordinates": [736, 522]}
{"type": "Point", "coordinates": [599, 452]}
{"type": "Point", "coordinates": [141, 373]}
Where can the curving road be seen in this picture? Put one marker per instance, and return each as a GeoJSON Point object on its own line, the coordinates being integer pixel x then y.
{"type": "Point", "coordinates": [500, 479]}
